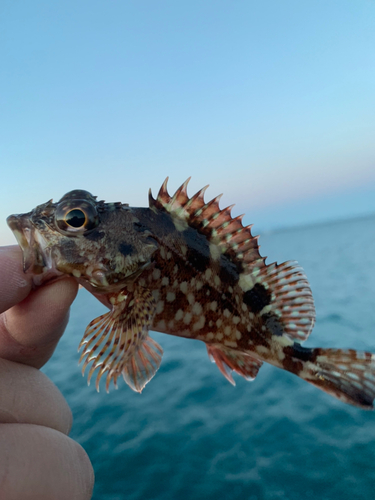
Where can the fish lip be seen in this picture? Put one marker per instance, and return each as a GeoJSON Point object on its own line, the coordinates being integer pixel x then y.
{"type": "Point", "coordinates": [35, 260]}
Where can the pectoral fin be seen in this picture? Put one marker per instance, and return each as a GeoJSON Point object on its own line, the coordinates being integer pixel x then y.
{"type": "Point", "coordinates": [118, 342]}
{"type": "Point", "coordinates": [228, 360]}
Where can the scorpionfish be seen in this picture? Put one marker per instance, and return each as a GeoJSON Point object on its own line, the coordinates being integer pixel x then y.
{"type": "Point", "coordinates": [184, 267]}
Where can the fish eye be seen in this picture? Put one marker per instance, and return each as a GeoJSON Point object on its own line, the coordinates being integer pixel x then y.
{"type": "Point", "coordinates": [77, 218]}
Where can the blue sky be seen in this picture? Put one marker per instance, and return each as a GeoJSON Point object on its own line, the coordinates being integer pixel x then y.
{"type": "Point", "coordinates": [271, 102]}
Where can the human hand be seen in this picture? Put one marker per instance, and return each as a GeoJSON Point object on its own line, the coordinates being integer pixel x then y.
{"type": "Point", "coordinates": [38, 461]}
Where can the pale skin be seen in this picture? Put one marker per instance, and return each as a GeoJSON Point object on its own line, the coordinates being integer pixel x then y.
{"type": "Point", "coordinates": [38, 461]}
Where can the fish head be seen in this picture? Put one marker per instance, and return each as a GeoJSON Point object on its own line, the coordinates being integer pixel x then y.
{"type": "Point", "coordinates": [95, 242]}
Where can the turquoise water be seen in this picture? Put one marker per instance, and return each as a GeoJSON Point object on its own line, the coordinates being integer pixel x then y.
{"type": "Point", "coordinates": [191, 435]}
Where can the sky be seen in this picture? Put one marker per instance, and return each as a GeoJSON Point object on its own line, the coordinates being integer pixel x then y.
{"type": "Point", "coordinates": [271, 103]}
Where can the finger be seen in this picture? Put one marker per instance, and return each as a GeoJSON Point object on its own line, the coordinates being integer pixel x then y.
{"type": "Point", "coordinates": [30, 330]}
{"type": "Point", "coordinates": [28, 396]}
{"type": "Point", "coordinates": [15, 284]}
{"type": "Point", "coordinates": [38, 463]}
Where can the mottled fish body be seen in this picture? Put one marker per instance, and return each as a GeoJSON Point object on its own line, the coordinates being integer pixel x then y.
{"type": "Point", "coordinates": [184, 267]}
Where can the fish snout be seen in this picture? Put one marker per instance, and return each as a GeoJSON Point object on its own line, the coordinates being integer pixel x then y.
{"type": "Point", "coordinates": [24, 231]}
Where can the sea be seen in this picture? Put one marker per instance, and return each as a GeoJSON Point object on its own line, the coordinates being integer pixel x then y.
{"type": "Point", "coordinates": [192, 435]}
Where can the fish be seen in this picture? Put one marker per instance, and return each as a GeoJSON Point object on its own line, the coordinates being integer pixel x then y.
{"type": "Point", "coordinates": [185, 267]}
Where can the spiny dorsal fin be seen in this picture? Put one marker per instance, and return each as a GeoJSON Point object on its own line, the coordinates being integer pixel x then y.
{"type": "Point", "coordinates": [289, 308]}
{"type": "Point", "coordinates": [226, 232]}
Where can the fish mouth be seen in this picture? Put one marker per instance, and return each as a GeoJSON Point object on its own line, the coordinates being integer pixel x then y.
{"type": "Point", "coordinates": [25, 232]}
{"type": "Point", "coordinates": [37, 258]}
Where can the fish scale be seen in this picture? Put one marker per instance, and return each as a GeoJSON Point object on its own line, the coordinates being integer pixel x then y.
{"type": "Point", "coordinates": [183, 267]}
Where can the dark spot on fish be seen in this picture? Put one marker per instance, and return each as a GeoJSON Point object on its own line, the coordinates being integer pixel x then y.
{"type": "Point", "coordinates": [139, 227]}
{"type": "Point", "coordinates": [165, 224]}
{"type": "Point", "coordinates": [198, 250]}
{"type": "Point", "coordinates": [228, 272]}
{"type": "Point", "coordinates": [273, 324]}
{"type": "Point", "coordinates": [296, 355]}
{"type": "Point", "coordinates": [257, 298]}
{"type": "Point", "coordinates": [126, 248]}
{"type": "Point", "coordinates": [94, 235]}
{"type": "Point", "coordinates": [364, 397]}
{"type": "Point", "coordinates": [302, 353]}
{"type": "Point", "coordinates": [231, 256]}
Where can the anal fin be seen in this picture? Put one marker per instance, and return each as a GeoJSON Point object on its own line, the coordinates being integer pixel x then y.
{"type": "Point", "coordinates": [228, 360]}
{"type": "Point", "coordinates": [118, 342]}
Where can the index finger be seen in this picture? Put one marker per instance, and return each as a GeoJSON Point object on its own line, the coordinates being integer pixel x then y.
{"type": "Point", "coordinates": [32, 321]}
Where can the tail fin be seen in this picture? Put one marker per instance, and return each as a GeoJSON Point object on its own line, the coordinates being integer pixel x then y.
{"type": "Point", "coordinates": [346, 374]}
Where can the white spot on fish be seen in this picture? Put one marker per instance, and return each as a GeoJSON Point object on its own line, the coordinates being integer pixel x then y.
{"type": "Point", "coordinates": [199, 324]}
{"type": "Point", "coordinates": [160, 307]}
{"type": "Point", "coordinates": [156, 273]}
{"type": "Point", "coordinates": [230, 343]}
{"type": "Point", "coordinates": [197, 308]}
{"type": "Point", "coordinates": [165, 281]}
{"type": "Point", "coordinates": [187, 318]}
{"type": "Point", "coordinates": [213, 305]}
{"type": "Point", "coordinates": [281, 355]}
{"type": "Point", "coordinates": [198, 285]}
{"type": "Point", "coordinates": [246, 282]}
{"type": "Point", "coordinates": [283, 340]}
{"type": "Point", "coordinates": [161, 326]}
{"type": "Point", "coordinates": [191, 298]}
{"type": "Point", "coordinates": [262, 349]}
{"type": "Point", "coordinates": [215, 251]}
{"type": "Point", "coordinates": [180, 225]}
{"type": "Point", "coordinates": [179, 315]}
{"type": "Point", "coordinates": [171, 296]}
